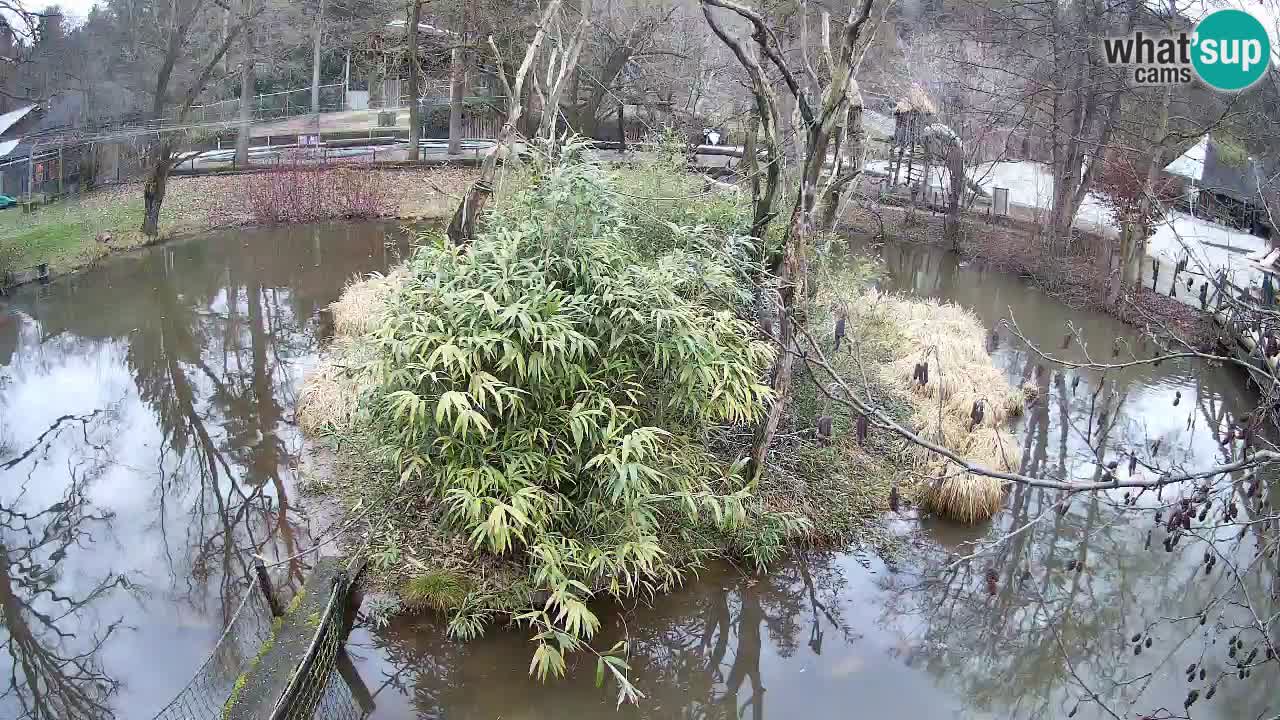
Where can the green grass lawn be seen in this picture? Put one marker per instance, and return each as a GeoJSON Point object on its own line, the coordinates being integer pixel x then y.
{"type": "Point", "coordinates": [64, 234]}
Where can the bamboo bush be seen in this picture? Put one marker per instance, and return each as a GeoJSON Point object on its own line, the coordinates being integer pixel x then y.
{"type": "Point", "coordinates": [548, 387]}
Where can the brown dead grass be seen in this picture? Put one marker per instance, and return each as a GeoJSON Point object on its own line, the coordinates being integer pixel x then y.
{"type": "Point", "coordinates": [952, 341]}
{"type": "Point", "coordinates": [361, 306]}
{"type": "Point", "coordinates": [330, 397]}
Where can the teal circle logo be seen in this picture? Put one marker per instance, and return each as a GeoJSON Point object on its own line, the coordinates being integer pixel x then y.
{"type": "Point", "coordinates": [1232, 50]}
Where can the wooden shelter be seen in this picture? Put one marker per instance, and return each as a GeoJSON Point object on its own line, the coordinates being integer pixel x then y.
{"type": "Point", "coordinates": [913, 113]}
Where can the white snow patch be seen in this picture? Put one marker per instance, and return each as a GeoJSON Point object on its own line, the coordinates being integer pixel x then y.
{"type": "Point", "coordinates": [1191, 163]}
{"type": "Point", "coordinates": [7, 147]}
{"type": "Point", "coordinates": [1208, 246]}
{"type": "Point", "coordinates": [8, 119]}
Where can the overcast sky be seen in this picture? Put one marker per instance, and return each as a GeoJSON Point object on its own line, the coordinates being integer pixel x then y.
{"type": "Point", "coordinates": [74, 10]}
{"type": "Point", "coordinates": [1265, 10]}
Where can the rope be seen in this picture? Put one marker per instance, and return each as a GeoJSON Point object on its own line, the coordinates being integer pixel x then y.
{"type": "Point", "coordinates": [325, 540]}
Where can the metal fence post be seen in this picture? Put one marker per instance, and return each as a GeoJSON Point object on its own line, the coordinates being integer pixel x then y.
{"type": "Point", "coordinates": [264, 584]}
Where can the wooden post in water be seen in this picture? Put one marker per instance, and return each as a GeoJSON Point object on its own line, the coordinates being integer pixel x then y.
{"type": "Point", "coordinates": [264, 584]}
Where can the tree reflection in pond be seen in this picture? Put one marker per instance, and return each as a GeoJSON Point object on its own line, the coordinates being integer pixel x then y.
{"type": "Point", "coordinates": [48, 670]}
{"type": "Point", "coordinates": [728, 646]}
{"type": "Point", "coordinates": [194, 350]}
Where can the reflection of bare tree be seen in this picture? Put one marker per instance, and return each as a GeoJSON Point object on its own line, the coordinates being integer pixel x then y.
{"type": "Point", "coordinates": [695, 654]}
{"type": "Point", "coordinates": [218, 382]}
{"type": "Point", "coordinates": [1092, 597]}
{"type": "Point", "coordinates": [54, 672]}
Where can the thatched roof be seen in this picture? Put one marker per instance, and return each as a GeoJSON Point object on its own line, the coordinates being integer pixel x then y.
{"type": "Point", "coordinates": [915, 101]}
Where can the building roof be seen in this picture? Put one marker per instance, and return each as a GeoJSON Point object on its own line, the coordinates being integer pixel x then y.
{"type": "Point", "coordinates": [877, 124]}
{"type": "Point", "coordinates": [1212, 166]}
{"type": "Point", "coordinates": [8, 119]}
{"type": "Point", "coordinates": [1237, 177]}
{"type": "Point", "coordinates": [46, 128]}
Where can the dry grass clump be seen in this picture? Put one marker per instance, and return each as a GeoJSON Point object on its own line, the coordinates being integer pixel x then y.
{"type": "Point", "coordinates": [331, 393]}
{"type": "Point", "coordinates": [1016, 404]}
{"type": "Point", "coordinates": [950, 340]}
{"type": "Point", "coordinates": [966, 497]}
{"type": "Point", "coordinates": [360, 308]}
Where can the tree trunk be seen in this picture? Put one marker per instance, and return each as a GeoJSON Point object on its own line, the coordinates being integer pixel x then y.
{"type": "Point", "coordinates": [751, 164]}
{"type": "Point", "coordinates": [792, 270]}
{"type": "Point", "coordinates": [622, 127]}
{"type": "Point", "coordinates": [466, 219]}
{"type": "Point", "coordinates": [955, 168]}
{"type": "Point", "coordinates": [529, 112]}
{"type": "Point", "coordinates": [457, 87]}
{"type": "Point", "coordinates": [154, 188]}
{"type": "Point", "coordinates": [791, 274]}
{"type": "Point", "coordinates": [315, 66]}
{"type": "Point", "coordinates": [566, 67]}
{"type": "Point", "coordinates": [1137, 228]}
{"type": "Point", "coordinates": [851, 145]}
{"type": "Point", "coordinates": [415, 122]}
{"type": "Point", "coordinates": [1063, 213]}
{"type": "Point", "coordinates": [247, 83]}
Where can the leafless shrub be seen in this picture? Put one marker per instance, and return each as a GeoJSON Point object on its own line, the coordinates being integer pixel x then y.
{"type": "Point", "coordinates": [303, 193]}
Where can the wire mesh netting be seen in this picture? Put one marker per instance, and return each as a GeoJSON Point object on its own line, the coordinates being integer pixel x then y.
{"type": "Point", "coordinates": [314, 690]}
{"type": "Point", "coordinates": [323, 682]}
{"type": "Point", "coordinates": [212, 683]}
{"type": "Point", "coordinates": [337, 702]}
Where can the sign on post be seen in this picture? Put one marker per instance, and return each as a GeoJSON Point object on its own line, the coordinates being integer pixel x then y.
{"type": "Point", "coordinates": [1000, 201]}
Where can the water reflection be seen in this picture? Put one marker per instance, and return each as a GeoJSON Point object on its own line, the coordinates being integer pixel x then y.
{"type": "Point", "coordinates": [168, 379]}
{"type": "Point", "coordinates": [1052, 611]}
{"type": "Point", "coordinates": [56, 673]}
{"type": "Point", "coordinates": [729, 646]}
{"type": "Point", "coordinates": [1034, 628]}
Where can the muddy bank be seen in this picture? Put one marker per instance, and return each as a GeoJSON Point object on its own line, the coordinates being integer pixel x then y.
{"type": "Point", "coordinates": [1077, 279]}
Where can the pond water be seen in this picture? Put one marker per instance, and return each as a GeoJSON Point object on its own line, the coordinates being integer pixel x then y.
{"type": "Point", "coordinates": [147, 450]}
{"type": "Point", "coordinates": [174, 372]}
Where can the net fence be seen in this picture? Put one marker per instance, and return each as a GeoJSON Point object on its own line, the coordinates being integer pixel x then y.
{"type": "Point", "coordinates": [316, 689]}
{"type": "Point", "coordinates": [323, 684]}
{"type": "Point", "coordinates": [206, 695]}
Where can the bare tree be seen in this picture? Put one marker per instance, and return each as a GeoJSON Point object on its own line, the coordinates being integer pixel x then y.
{"type": "Point", "coordinates": [457, 88]}
{"type": "Point", "coordinates": [176, 82]}
{"type": "Point", "coordinates": [463, 225]}
{"type": "Point", "coordinates": [817, 127]}
{"type": "Point", "coordinates": [415, 71]}
{"type": "Point", "coordinates": [248, 84]}
{"type": "Point", "coordinates": [625, 38]}
{"type": "Point", "coordinates": [562, 64]}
